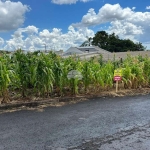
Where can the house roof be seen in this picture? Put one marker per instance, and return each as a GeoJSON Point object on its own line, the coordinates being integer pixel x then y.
{"type": "Point", "coordinates": [90, 48]}
{"type": "Point", "coordinates": [72, 50]}
{"type": "Point", "coordinates": [83, 50]}
{"type": "Point", "coordinates": [101, 50]}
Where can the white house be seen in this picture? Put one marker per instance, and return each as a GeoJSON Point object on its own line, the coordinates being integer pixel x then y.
{"type": "Point", "coordinates": [84, 50]}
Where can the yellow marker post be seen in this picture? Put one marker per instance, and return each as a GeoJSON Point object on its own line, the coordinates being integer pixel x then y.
{"type": "Point", "coordinates": [117, 77]}
{"type": "Point", "coordinates": [118, 72]}
{"type": "Point", "coordinates": [116, 86]}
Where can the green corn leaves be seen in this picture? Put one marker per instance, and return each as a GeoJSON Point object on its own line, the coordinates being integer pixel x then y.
{"type": "Point", "coordinates": [45, 75]}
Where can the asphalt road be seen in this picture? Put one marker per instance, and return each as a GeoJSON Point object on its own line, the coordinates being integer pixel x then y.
{"type": "Point", "coordinates": [97, 124]}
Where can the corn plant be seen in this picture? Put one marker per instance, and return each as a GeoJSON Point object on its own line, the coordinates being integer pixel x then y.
{"type": "Point", "coordinates": [146, 70]}
{"type": "Point", "coordinates": [22, 71]}
{"type": "Point", "coordinates": [73, 82]}
{"type": "Point", "coordinates": [5, 79]}
{"type": "Point", "coordinates": [88, 75]}
{"type": "Point", "coordinates": [108, 73]}
{"type": "Point", "coordinates": [44, 76]}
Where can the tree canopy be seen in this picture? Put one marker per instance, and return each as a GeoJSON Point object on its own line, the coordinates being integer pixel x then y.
{"type": "Point", "coordinates": [112, 43]}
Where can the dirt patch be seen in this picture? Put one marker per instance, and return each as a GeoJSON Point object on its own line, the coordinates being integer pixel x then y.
{"type": "Point", "coordinates": [38, 104]}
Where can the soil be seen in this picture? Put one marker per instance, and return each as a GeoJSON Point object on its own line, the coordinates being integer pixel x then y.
{"type": "Point", "coordinates": [36, 103]}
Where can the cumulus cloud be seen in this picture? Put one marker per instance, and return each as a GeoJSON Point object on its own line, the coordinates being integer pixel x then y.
{"type": "Point", "coordinates": [30, 38]}
{"type": "Point", "coordinates": [133, 8]}
{"type": "Point", "coordinates": [1, 42]}
{"type": "Point", "coordinates": [12, 15]}
{"type": "Point", "coordinates": [60, 2]}
{"type": "Point", "coordinates": [147, 7]}
{"type": "Point", "coordinates": [107, 13]}
{"type": "Point", "coordinates": [125, 22]}
{"type": "Point", "coordinates": [28, 30]}
{"type": "Point", "coordinates": [85, 1]}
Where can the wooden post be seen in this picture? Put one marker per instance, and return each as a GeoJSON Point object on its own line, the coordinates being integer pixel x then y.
{"type": "Point", "coordinates": [116, 86]}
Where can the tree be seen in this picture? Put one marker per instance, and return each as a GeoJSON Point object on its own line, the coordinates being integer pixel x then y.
{"type": "Point", "coordinates": [112, 43]}
{"type": "Point", "coordinates": [140, 47]}
{"type": "Point", "coordinates": [100, 39]}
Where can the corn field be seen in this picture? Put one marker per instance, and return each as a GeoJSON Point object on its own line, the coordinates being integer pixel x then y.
{"type": "Point", "coordinates": [45, 75]}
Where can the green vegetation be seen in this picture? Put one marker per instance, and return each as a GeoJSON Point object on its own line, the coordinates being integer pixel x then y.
{"type": "Point", "coordinates": [112, 43]}
{"type": "Point", "coordinates": [45, 75]}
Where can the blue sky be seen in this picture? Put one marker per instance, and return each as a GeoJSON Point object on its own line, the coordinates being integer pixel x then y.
{"type": "Point", "coordinates": [30, 24]}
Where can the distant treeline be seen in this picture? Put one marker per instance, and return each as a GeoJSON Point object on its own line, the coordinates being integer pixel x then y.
{"type": "Point", "coordinates": [113, 43]}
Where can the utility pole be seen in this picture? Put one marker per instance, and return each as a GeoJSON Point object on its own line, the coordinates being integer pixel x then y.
{"type": "Point", "coordinates": [45, 47]}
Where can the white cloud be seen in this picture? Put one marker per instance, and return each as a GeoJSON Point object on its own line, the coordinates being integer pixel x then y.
{"type": "Point", "coordinates": [1, 42]}
{"type": "Point", "coordinates": [125, 22]}
{"type": "Point", "coordinates": [60, 2]}
{"type": "Point", "coordinates": [133, 8]}
{"type": "Point", "coordinates": [29, 30]}
{"type": "Point", "coordinates": [107, 13]}
{"type": "Point", "coordinates": [147, 7]}
{"type": "Point", "coordinates": [85, 1]}
{"type": "Point", "coordinates": [12, 15]}
{"type": "Point", "coordinates": [125, 28]}
{"type": "Point", "coordinates": [18, 40]}
{"type": "Point", "coordinates": [30, 39]}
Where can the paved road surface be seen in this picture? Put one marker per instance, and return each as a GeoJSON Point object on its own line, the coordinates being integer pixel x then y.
{"type": "Point", "coordinates": [98, 124]}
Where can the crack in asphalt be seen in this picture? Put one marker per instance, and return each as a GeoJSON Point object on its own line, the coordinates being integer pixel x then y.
{"type": "Point", "coordinates": [126, 139]}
